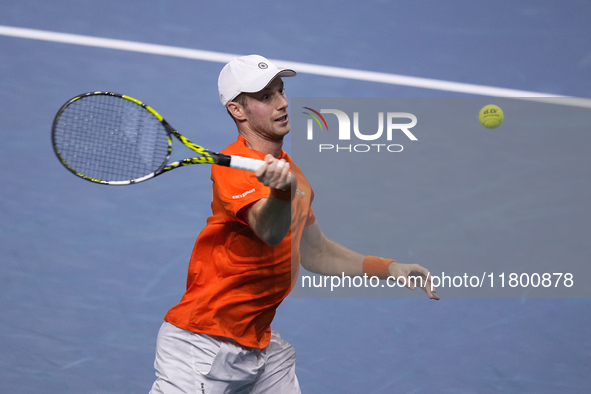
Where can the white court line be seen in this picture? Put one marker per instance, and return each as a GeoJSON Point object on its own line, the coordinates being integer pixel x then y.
{"type": "Point", "coordinates": [338, 72]}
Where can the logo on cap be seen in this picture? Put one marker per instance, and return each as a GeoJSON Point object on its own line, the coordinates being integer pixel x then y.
{"type": "Point", "coordinates": [263, 65]}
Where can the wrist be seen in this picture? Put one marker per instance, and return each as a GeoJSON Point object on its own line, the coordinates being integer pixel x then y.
{"type": "Point", "coordinates": [283, 195]}
{"type": "Point", "coordinates": [377, 266]}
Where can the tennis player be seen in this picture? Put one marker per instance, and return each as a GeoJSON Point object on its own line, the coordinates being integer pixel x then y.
{"type": "Point", "coordinates": [218, 339]}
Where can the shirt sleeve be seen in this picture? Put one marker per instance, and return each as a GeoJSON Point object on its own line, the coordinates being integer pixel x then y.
{"type": "Point", "coordinates": [237, 189]}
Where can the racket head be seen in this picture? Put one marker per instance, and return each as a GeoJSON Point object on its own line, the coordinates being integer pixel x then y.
{"type": "Point", "coordinates": [112, 139]}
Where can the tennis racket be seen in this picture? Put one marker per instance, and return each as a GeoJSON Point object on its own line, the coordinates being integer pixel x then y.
{"type": "Point", "coordinates": [113, 139]}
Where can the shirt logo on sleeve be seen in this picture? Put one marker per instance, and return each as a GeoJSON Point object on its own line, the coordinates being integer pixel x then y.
{"type": "Point", "coordinates": [246, 193]}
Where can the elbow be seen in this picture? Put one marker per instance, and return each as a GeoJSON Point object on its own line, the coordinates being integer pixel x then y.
{"type": "Point", "coordinates": [313, 265]}
{"type": "Point", "coordinates": [306, 265]}
{"type": "Point", "coordinates": [272, 239]}
{"type": "Point", "coordinates": [270, 233]}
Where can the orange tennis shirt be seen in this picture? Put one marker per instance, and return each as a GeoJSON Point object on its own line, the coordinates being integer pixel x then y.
{"type": "Point", "coordinates": [236, 281]}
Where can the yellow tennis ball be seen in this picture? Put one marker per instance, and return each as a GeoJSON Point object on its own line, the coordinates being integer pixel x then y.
{"type": "Point", "coordinates": [491, 116]}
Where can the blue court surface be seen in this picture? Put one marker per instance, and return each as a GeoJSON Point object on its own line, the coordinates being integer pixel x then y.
{"type": "Point", "coordinates": [87, 272]}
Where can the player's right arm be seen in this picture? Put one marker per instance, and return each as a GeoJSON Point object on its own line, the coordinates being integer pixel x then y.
{"type": "Point", "coordinates": [270, 218]}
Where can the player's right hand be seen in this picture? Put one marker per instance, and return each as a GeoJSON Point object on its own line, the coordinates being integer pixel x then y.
{"type": "Point", "coordinates": [275, 173]}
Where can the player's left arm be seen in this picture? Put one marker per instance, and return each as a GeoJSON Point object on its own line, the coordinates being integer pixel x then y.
{"type": "Point", "coordinates": [325, 257]}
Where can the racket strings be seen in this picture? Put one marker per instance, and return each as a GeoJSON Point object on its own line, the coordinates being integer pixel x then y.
{"type": "Point", "coordinates": [111, 138]}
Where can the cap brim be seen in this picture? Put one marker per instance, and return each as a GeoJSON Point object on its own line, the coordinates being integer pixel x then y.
{"type": "Point", "coordinates": [264, 80]}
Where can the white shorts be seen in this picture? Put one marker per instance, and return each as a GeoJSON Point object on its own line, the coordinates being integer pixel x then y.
{"type": "Point", "coordinates": [188, 362]}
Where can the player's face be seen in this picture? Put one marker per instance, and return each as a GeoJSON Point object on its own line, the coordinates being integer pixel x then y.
{"type": "Point", "coordinates": [266, 111]}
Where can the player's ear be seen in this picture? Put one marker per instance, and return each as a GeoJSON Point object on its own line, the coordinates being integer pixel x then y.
{"type": "Point", "coordinates": [236, 110]}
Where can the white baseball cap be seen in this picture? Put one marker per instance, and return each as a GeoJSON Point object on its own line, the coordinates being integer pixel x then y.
{"type": "Point", "coordinates": [248, 74]}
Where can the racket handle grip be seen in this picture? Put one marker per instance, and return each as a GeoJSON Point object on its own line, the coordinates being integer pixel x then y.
{"type": "Point", "coordinates": [245, 163]}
